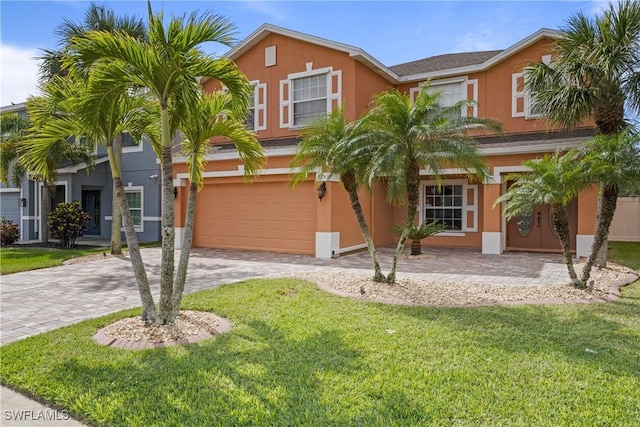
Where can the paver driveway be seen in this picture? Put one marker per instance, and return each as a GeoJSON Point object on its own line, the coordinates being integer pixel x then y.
{"type": "Point", "coordinates": [40, 300]}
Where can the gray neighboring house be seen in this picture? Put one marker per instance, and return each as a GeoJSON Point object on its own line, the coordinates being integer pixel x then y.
{"type": "Point", "coordinates": [94, 190]}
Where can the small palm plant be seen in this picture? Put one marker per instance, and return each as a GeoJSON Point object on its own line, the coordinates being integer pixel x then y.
{"type": "Point", "coordinates": [418, 232]}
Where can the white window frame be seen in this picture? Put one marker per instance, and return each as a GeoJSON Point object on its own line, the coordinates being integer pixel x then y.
{"type": "Point", "coordinates": [523, 94]}
{"type": "Point", "coordinates": [258, 107]}
{"type": "Point", "coordinates": [133, 148]}
{"type": "Point", "coordinates": [467, 205]}
{"type": "Point", "coordinates": [464, 85]}
{"type": "Point", "coordinates": [137, 189]}
{"type": "Point", "coordinates": [333, 94]}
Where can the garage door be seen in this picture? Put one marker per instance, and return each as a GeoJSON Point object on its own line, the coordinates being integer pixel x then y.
{"type": "Point", "coordinates": [265, 216]}
{"type": "Point", "coordinates": [9, 206]}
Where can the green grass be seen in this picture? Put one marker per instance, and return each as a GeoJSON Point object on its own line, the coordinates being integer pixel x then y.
{"type": "Point", "coordinates": [15, 259]}
{"type": "Point", "coordinates": [625, 253]}
{"type": "Point", "coordinates": [299, 356]}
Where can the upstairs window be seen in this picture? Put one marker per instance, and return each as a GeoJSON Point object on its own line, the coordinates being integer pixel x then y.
{"type": "Point", "coordinates": [308, 95]}
{"type": "Point", "coordinates": [522, 101]}
{"type": "Point", "coordinates": [309, 99]}
{"type": "Point", "coordinates": [257, 115]}
{"type": "Point", "coordinates": [453, 91]}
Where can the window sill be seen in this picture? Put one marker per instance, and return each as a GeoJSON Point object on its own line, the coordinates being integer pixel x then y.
{"type": "Point", "coordinates": [451, 234]}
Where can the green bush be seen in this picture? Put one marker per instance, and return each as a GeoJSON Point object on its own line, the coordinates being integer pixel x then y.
{"type": "Point", "coordinates": [9, 232]}
{"type": "Point", "coordinates": [67, 222]}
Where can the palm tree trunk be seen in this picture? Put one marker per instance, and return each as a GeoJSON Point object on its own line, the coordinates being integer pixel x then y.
{"type": "Point", "coordinates": [416, 247]}
{"type": "Point", "coordinates": [168, 223]}
{"type": "Point", "coordinates": [187, 240]}
{"type": "Point", "coordinates": [146, 298]}
{"type": "Point", "coordinates": [606, 209]}
{"type": "Point", "coordinates": [148, 306]}
{"type": "Point", "coordinates": [413, 195]}
{"type": "Point", "coordinates": [348, 180]}
{"type": "Point", "coordinates": [116, 218]}
{"type": "Point", "coordinates": [561, 225]}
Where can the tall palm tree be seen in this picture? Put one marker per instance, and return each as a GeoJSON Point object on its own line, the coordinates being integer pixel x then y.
{"type": "Point", "coordinates": [169, 64]}
{"type": "Point", "coordinates": [52, 64]}
{"type": "Point", "coordinates": [213, 115]}
{"type": "Point", "coordinates": [553, 180]}
{"type": "Point", "coordinates": [614, 162]}
{"type": "Point", "coordinates": [414, 134]}
{"type": "Point", "coordinates": [593, 75]}
{"type": "Point", "coordinates": [333, 146]}
{"type": "Point", "coordinates": [13, 129]}
{"type": "Point", "coordinates": [100, 18]}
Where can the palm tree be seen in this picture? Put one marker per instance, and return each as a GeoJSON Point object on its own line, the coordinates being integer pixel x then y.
{"type": "Point", "coordinates": [211, 116]}
{"type": "Point", "coordinates": [52, 64]}
{"type": "Point", "coordinates": [614, 162]}
{"type": "Point", "coordinates": [593, 75]}
{"type": "Point", "coordinates": [331, 145]}
{"type": "Point", "coordinates": [418, 232]}
{"type": "Point", "coordinates": [169, 64]}
{"type": "Point", "coordinates": [410, 135]}
{"type": "Point", "coordinates": [13, 129]}
{"type": "Point", "coordinates": [553, 180]}
{"type": "Point", "coordinates": [101, 18]}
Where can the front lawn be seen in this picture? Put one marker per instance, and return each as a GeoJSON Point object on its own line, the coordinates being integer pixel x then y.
{"type": "Point", "coordinates": [14, 259]}
{"type": "Point", "coordinates": [299, 356]}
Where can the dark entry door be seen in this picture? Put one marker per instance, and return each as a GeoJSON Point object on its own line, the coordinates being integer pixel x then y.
{"type": "Point", "coordinates": [91, 204]}
{"type": "Point", "coordinates": [534, 230]}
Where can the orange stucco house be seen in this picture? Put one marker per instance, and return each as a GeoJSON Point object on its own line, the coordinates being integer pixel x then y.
{"type": "Point", "coordinates": [298, 77]}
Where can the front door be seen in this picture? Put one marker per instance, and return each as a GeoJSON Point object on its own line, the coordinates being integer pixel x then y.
{"type": "Point", "coordinates": [534, 230]}
{"type": "Point", "coordinates": [91, 204]}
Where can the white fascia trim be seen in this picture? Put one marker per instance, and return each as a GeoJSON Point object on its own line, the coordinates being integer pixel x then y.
{"type": "Point", "coordinates": [450, 171]}
{"type": "Point", "coordinates": [240, 172]}
{"type": "Point", "coordinates": [10, 190]}
{"type": "Point", "coordinates": [499, 170]}
{"type": "Point", "coordinates": [354, 52]}
{"type": "Point", "coordinates": [80, 166]}
{"type": "Point", "coordinates": [233, 155]}
{"type": "Point", "coordinates": [545, 32]}
{"type": "Point", "coordinates": [542, 148]}
{"type": "Point", "coordinates": [22, 106]}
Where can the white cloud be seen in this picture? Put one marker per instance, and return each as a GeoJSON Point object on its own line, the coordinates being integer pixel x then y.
{"type": "Point", "coordinates": [18, 74]}
{"type": "Point", "coordinates": [268, 8]}
{"type": "Point", "coordinates": [479, 41]}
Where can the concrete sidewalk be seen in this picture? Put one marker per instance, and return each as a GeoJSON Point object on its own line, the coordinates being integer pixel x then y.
{"type": "Point", "coordinates": [41, 300]}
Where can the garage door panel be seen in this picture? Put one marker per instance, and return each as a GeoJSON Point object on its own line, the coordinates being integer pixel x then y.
{"type": "Point", "coordinates": [258, 216]}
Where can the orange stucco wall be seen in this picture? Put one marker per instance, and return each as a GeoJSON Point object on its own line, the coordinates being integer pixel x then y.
{"type": "Point", "coordinates": [256, 213]}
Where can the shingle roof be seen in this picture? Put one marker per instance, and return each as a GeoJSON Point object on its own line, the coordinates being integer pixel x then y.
{"type": "Point", "coordinates": [443, 62]}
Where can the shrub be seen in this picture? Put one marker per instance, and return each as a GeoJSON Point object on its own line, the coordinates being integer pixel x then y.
{"type": "Point", "coordinates": [9, 232]}
{"type": "Point", "coordinates": [67, 222]}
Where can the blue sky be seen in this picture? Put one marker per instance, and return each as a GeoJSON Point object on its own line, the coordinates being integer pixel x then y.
{"type": "Point", "coordinates": [393, 32]}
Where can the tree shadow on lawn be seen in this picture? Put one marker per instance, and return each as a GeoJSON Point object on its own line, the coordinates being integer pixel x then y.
{"type": "Point", "coordinates": [259, 373]}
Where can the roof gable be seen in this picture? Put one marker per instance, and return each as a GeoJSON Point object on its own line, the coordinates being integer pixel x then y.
{"type": "Point", "coordinates": [354, 52]}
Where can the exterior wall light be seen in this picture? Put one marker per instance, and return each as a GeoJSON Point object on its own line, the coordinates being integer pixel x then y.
{"type": "Point", "coordinates": [322, 190]}
{"type": "Point", "coordinates": [22, 203]}
{"type": "Point", "coordinates": [175, 192]}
